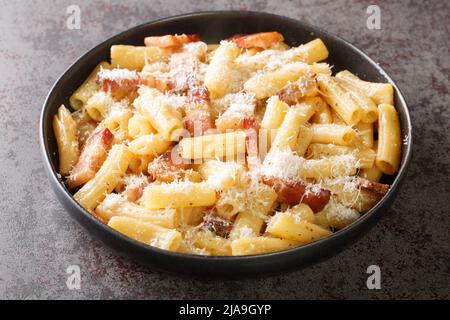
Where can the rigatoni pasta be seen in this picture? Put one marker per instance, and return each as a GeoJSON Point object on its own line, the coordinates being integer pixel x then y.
{"type": "Point", "coordinates": [238, 148]}
{"type": "Point", "coordinates": [66, 136]}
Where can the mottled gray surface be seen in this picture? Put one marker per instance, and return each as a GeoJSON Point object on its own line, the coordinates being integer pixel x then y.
{"type": "Point", "coordinates": [38, 240]}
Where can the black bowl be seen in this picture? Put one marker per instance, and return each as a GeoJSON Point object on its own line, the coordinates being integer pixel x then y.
{"type": "Point", "coordinates": [212, 27]}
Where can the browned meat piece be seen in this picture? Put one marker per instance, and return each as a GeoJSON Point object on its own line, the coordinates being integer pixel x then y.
{"type": "Point", "coordinates": [198, 117]}
{"type": "Point", "coordinates": [372, 186]}
{"type": "Point", "coordinates": [294, 193]}
{"type": "Point", "coordinates": [262, 40]}
{"type": "Point", "coordinates": [91, 158]}
{"type": "Point", "coordinates": [293, 92]}
{"type": "Point", "coordinates": [219, 225]}
{"type": "Point", "coordinates": [166, 169]}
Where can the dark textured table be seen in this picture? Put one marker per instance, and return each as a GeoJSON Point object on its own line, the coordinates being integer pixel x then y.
{"type": "Point", "coordinates": [38, 240]}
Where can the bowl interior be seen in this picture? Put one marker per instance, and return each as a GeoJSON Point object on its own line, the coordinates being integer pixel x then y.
{"type": "Point", "coordinates": [212, 27]}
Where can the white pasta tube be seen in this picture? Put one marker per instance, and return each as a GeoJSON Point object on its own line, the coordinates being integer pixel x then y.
{"type": "Point", "coordinates": [369, 108]}
{"type": "Point", "coordinates": [115, 205]}
{"type": "Point", "coordinates": [218, 77]}
{"type": "Point", "coordinates": [212, 244]}
{"type": "Point", "coordinates": [139, 164]}
{"type": "Point", "coordinates": [87, 88]}
{"type": "Point", "coordinates": [288, 133]}
{"type": "Point", "coordinates": [98, 104]}
{"type": "Point", "coordinates": [365, 132]}
{"type": "Point", "coordinates": [246, 224]}
{"type": "Point", "coordinates": [259, 245]}
{"type": "Point", "coordinates": [313, 51]}
{"type": "Point", "coordinates": [336, 166]}
{"type": "Point", "coordinates": [273, 118]}
{"type": "Point", "coordinates": [268, 83]}
{"type": "Point", "coordinates": [178, 195]}
{"type": "Point", "coordinates": [66, 138]}
{"type": "Point", "coordinates": [289, 226]}
{"type": "Point", "coordinates": [224, 145]}
{"type": "Point", "coordinates": [223, 175]}
{"type": "Point", "coordinates": [373, 173]}
{"type": "Point", "coordinates": [323, 114]}
{"type": "Point", "coordinates": [162, 117]}
{"type": "Point", "coordinates": [139, 125]}
{"type": "Point", "coordinates": [339, 99]}
{"type": "Point", "coordinates": [379, 92]}
{"type": "Point", "coordinates": [274, 113]}
{"type": "Point", "coordinates": [310, 52]}
{"type": "Point", "coordinates": [365, 156]}
{"type": "Point", "coordinates": [106, 179]}
{"type": "Point", "coordinates": [389, 141]}
{"type": "Point", "coordinates": [136, 57]}
{"type": "Point", "coordinates": [148, 233]}
{"type": "Point", "coordinates": [304, 138]}
{"type": "Point", "coordinates": [149, 145]}
{"type": "Point", "coordinates": [333, 133]}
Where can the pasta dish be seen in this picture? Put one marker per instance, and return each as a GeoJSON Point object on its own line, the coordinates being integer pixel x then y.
{"type": "Point", "coordinates": [243, 147]}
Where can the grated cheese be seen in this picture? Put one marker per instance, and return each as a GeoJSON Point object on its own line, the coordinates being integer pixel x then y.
{"type": "Point", "coordinates": [339, 214]}
{"type": "Point", "coordinates": [246, 232]}
{"type": "Point", "coordinates": [117, 74]}
{"type": "Point", "coordinates": [283, 164]}
{"type": "Point", "coordinates": [135, 180]}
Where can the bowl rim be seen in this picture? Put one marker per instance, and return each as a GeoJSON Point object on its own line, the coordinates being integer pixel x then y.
{"type": "Point", "coordinates": [55, 180]}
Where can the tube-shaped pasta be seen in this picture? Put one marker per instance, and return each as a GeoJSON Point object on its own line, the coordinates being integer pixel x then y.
{"type": "Point", "coordinates": [369, 108]}
{"type": "Point", "coordinates": [304, 138]}
{"type": "Point", "coordinates": [365, 132]}
{"type": "Point", "coordinates": [223, 175]}
{"type": "Point", "coordinates": [310, 52]}
{"type": "Point", "coordinates": [323, 114]}
{"type": "Point", "coordinates": [106, 179]}
{"type": "Point", "coordinates": [87, 88]}
{"type": "Point", "coordinates": [313, 51]}
{"type": "Point", "coordinates": [140, 163]}
{"type": "Point", "coordinates": [365, 156]}
{"type": "Point", "coordinates": [373, 173]}
{"type": "Point", "coordinates": [138, 126]}
{"type": "Point", "coordinates": [213, 244]}
{"type": "Point", "coordinates": [267, 84]}
{"type": "Point", "coordinates": [259, 245]}
{"type": "Point", "coordinates": [303, 211]}
{"type": "Point", "coordinates": [260, 199]}
{"type": "Point", "coordinates": [290, 128]}
{"type": "Point", "coordinates": [98, 104]}
{"type": "Point", "coordinates": [340, 100]}
{"type": "Point", "coordinates": [161, 116]}
{"type": "Point", "coordinates": [337, 118]}
{"type": "Point", "coordinates": [289, 226]}
{"type": "Point", "coordinates": [273, 117]}
{"type": "Point", "coordinates": [116, 205]}
{"type": "Point", "coordinates": [136, 57]}
{"type": "Point", "coordinates": [274, 113]}
{"type": "Point", "coordinates": [65, 130]}
{"type": "Point", "coordinates": [389, 141]}
{"type": "Point", "coordinates": [148, 233]}
{"type": "Point", "coordinates": [379, 92]}
{"type": "Point", "coordinates": [218, 77]}
{"type": "Point", "coordinates": [333, 133]}
{"type": "Point", "coordinates": [117, 123]}
{"type": "Point", "coordinates": [322, 150]}
{"type": "Point", "coordinates": [336, 166]}
{"type": "Point", "coordinates": [214, 145]}
{"type": "Point", "coordinates": [178, 195]}
{"type": "Point", "coordinates": [191, 216]}
{"type": "Point", "coordinates": [246, 225]}
{"type": "Point", "coordinates": [149, 145]}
